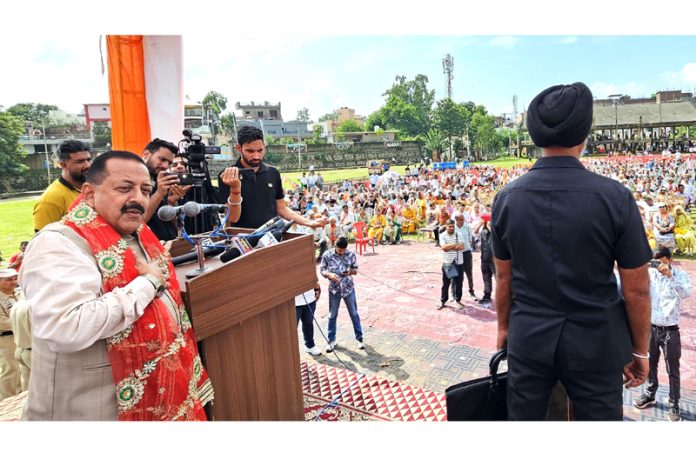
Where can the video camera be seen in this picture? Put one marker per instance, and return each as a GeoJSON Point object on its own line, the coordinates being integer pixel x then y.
{"type": "Point", "coordinates": [199, 176]}
{"type": "Point", "coordinates": [196, 150]}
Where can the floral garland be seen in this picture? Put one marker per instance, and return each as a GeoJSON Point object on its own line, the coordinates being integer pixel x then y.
{"type": "Point", "coordinates": [155, 363]}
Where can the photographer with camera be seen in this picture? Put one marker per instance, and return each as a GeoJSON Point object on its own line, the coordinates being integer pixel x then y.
{"type": "Point", "coordinates": [253, 189]}
{"type": "Point", "coordinates": [158, 156]}
{"type": "Point", "coordinates": [178, 192]}
{"type": "Point", "coordinates": [668, 287]}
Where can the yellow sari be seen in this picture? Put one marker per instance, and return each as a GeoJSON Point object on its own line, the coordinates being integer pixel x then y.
{"type": "Point", "coordinates": [377, 225]}
{"type": "Point", "coordinates": [409, 225]}
{"type": "Point", "coordinates": [421, 205]}
{"type": "Point", "coordinates": [684, 232]}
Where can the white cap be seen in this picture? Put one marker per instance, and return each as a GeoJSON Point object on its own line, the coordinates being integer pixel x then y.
{"type": "Point", "coordinates": [7, 273]}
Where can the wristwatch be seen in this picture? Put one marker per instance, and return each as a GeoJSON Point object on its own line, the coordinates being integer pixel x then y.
{"type": "Point", "coordinates": [156, 282]}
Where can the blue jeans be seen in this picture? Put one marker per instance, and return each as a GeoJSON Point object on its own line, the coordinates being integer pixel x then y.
{"type": "Point", "coordinates": [306, 314]}
{"type": "Point", "coordinates": [334, 303]}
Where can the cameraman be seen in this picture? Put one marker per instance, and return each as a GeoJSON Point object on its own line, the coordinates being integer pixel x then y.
{"type": "Point", "coordinates": [158, 156]}
{"type": "Point", "coordinates": [668, 287]}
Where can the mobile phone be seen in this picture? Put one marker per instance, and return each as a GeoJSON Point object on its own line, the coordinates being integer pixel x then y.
{"type": "Point", "coordinates": [185, 179]}
{"type": "Point", "coordinates": [654, 263]}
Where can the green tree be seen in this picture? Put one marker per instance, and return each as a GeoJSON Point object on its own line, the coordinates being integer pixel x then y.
{"type": "Point", "coordinates": [408, 107]}
{"type": "Point", "coordinates": [227, 128]}
{"type": "Point", "coordinates": [483, 134]}
{"type": "Point", "coordinates": [29, 112]}
{"type": "Point", "coordinates": [317, 136]}
{"type": "Point", "coordinates": [451, 119]}
{"type": "Point", "coordinates": [375, 119]}
{"type": "Point", "coordinates": [303, 114]}
{"type": "Point", "coordinates": [11, 151]}
{"type": "Point", "coordinates": [102, 135]}
{"type": "Point", "coordinates": [349, 126]}
{"type": "Point", "coordinates": [328, 116]}
{"type": "Point", "coordinates": [458, 146]}
{"type": "Point", "coordinates": [435, 142]}
{"type": "Point", "coordinates": [216, 103]}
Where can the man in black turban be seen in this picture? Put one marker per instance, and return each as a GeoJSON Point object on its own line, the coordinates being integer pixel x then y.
{"type": "Point", "coordinates": [561, 116]}
{"type": "Point", "coordinates": [558, 231]}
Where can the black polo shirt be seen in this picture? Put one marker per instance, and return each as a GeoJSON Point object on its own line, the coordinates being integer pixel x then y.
{"type": "Point", "coordinates": [563, 227]}
{"type": "Point", "coordinates": [260, 191]}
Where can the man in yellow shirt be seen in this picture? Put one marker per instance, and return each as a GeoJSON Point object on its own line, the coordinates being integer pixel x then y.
{"type": "Point", "coordinates": [75, 158]}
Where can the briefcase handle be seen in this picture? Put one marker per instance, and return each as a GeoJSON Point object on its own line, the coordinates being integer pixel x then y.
{"type": "Point", "coordinates": [493, 365]}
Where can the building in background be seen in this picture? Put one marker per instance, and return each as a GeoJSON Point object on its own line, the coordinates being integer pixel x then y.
{"type": "Point", "coordinates": [97, 114]}
{"type": "Point", "coordinates": [256, 112]}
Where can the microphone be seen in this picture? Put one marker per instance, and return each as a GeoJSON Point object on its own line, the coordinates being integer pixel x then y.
{"type": "Point", "coordinates": [168, 213]}
{"type": "Point", "coordinates": [230, 255]}
{"type": "Point", "coordinates": [191, 209]}
{"type": "Point", "coordinates": [192, 256]}
{"type": "Point", "coordinates": [274, 232]}
{"type": "Point", "coordinates": [266, 225]}
{"type": "Point", "coordinates": [239, 246]}
{"type": "Point", "coordinates": [275, 235]}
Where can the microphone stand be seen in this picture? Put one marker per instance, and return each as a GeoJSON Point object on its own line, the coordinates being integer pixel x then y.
{"type": "Point", "coordinates": [201, 258]}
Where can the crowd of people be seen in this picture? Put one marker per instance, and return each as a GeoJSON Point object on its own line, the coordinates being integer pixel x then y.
{"type": "Point", "coordinates": [663, 187]}
{"type": "Point", "coordinates": [453, 206]}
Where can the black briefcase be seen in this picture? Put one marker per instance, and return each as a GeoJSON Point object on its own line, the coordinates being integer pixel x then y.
{"type": "Point", "coordinates": [482, 399]}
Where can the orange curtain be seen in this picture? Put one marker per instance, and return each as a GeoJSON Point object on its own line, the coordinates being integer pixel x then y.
{"type": "Point", "coordinates": [130, 123]}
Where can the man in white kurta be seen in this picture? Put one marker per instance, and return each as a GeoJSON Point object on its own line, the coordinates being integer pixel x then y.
{"type": "Point", "coordinates": [71, 374]}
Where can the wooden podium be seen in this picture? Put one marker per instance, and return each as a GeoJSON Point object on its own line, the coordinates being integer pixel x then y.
{"type": "Point", "coordinates": [243, 315]}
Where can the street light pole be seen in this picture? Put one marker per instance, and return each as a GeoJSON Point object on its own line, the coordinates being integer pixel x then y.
{"type": "Point", "coordinates": [48, 169]}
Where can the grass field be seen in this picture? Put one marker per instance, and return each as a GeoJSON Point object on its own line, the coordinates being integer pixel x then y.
{"type": "Point", "coordinates": [16, 225]}
{"type": "Point", "coordinates": [16, 220]}
{"type": "Point", "coordinates": [361, 172]}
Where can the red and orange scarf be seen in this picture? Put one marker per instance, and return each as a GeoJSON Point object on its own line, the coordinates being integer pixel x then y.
{"type": "Point", "coordinates": [155, 363]}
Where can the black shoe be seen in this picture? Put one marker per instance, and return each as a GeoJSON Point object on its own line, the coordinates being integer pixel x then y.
{"type": "Point", "coordinates": [674, 414]}
{"type": "Point", "coordinates": [644, 401]}
{"type": "Point", "coordinates": [473, 295]}
{"type": "Point", "coordinates": [484, 300]}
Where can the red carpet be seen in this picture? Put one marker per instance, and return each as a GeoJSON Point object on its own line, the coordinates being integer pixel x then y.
{"type": "Point", "coordinates": [11, 407]}
{"type": "Point", "coordinates": [378, 398]}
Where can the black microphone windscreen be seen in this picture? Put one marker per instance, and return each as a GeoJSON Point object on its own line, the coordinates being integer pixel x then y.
{"type": "Point", "coordinates": [166, 213]}
{"type": "Point", "coordinates": [230, 255]}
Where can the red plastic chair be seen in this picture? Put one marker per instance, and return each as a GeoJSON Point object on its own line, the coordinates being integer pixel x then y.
{"type": "Point", "coordinates": [361, 240]}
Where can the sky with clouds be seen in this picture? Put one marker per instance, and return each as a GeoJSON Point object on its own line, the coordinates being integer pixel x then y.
{"type": "Point", "coordinates": [324, 71]}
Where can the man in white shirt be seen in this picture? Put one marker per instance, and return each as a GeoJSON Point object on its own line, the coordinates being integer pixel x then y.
{"type": "Point", "coordinates": [305, 306]}
{"type": "Point", "coordinates": [452, 247]}
{"type": "Point", "coordinates": [669, 286]}
{"type": "Point", "coordinates": [346, 220]}
{"type": "Point", "coordinates": [465, 236]}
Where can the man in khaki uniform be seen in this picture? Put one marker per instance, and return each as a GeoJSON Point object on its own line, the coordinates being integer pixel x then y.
{"type": "Point", "coordinates": [21, 326]}
{"type": "Point", "coordinates": [9, 369]}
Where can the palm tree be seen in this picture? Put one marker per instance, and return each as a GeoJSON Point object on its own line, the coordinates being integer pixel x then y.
{"type": "Point", "coordinates": [435, 143]}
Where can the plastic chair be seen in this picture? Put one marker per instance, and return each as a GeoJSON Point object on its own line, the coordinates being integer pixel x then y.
{"type": "Point", "coordinates": [361, 240]}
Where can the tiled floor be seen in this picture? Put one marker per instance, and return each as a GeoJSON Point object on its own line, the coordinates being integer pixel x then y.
{"type": "Point", "coordinates": [410, 341]}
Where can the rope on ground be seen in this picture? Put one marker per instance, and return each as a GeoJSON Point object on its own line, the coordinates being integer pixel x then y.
{"type": "Point", "coordinates": [333, 402]}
